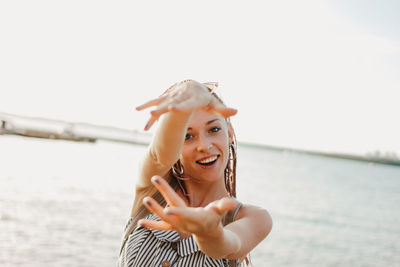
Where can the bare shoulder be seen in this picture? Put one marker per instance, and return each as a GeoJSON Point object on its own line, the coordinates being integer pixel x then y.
{"type": "Point", "coordinates": [257, 216]}
{"type": "Point", "coordinates": [251, 210]}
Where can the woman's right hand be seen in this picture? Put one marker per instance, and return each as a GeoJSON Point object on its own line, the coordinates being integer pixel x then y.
{"type": "Point", "coordinates": [186, 96]}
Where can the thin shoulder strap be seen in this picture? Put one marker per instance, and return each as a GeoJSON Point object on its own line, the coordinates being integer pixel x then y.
{"type": "Point", "coordinates": [230, 217]}
{"type": "Point", "coordinates": [143, 212]}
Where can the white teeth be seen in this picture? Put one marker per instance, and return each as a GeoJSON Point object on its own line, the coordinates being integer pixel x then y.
{"type": "Point", "coordinates": [208, 160]}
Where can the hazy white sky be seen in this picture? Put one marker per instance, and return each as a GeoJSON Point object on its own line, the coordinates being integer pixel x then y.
{"type": "Point", "coordinates": [321, 75]}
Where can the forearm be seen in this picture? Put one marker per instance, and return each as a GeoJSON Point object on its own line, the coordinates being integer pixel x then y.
{"type": "Point", "coordinates": [238, 238]}
{"type": "Point", "coordinates": [219, 247]}
{"type": "Point", "coordinates": [165, 148]}
{"type": "Point", "coordinates": [169, 137]}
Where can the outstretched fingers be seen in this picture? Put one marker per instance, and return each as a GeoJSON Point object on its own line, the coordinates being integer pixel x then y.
{"type": "Point", "coordinates": [157, 225]}
{"type": "Point", "coordinates": [164, 107]}
{"type": "Point", "coordinates": [220, 207]}
{"type": "Point", "coordinates": [172, 198]}
{"type": "Point", "coordinates": [151, 103]}
{"type": "Point", "coordinates": [216, 106]}
{"type": "Point", "coordinates": [150, 122]}
{"type": "Point", "coordinates": [155, 208]}
{"type": "Point", "coordinates": [225, 112]}
{"type": "Point", "coordinates": [186, 214]}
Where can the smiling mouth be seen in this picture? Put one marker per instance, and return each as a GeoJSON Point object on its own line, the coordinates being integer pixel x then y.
{"type": "Point", "coordinates": [208, 161]}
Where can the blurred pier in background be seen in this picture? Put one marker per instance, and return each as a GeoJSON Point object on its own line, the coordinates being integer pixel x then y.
{"type": "Point", "coordinates": [72, 131]}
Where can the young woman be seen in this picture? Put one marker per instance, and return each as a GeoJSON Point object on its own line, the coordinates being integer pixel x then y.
{"type": "Point", "coordinates": [191, 162]}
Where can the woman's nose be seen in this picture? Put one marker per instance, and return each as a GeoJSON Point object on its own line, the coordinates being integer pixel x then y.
{"type": "Point", "coordinates": [204, 144]}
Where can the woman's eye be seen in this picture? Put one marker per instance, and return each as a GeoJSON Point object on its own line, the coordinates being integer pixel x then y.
{"type": "Point", "coordinates": [188, 136]}
{"type": "Point", "coordinates": [215, 129]}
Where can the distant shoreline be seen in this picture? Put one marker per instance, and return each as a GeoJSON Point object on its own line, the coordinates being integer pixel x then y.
{"type": "Point", "coordinates": [394, 162]}
{"type": "Point", "coordinates": [83, 132]}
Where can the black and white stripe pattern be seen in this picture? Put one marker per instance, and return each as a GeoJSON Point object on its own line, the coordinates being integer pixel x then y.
{"type": "Point", "coordinates": [150, 248]}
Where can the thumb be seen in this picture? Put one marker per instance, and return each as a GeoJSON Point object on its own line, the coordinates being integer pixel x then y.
{"type": "Point", "coordinates": [217, 107]}
{"type": "Point", "coordinates": [224, 205]}
{"type": "Point", "coordinates": [226, 112]}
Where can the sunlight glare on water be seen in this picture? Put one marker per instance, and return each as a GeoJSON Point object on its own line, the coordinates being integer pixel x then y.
{"type": "Point", "coordinates": [65, 204]}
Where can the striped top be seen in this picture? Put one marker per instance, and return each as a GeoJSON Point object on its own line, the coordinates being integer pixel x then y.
{"type": "Point", "coordinates": [154, 248]}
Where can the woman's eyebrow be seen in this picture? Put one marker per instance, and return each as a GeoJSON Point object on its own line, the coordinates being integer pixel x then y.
{"type": "Point", "coordinates": [211, 121]}
{"type": "Point", "coordinates": [207, 123]}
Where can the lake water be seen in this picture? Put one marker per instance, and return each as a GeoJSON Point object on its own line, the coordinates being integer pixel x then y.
{"type": "Point", "coordinates": [65, 204]}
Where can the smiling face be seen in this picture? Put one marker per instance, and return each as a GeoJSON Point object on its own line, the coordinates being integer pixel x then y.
{"type": "Point", "coordinates": [205, 151]}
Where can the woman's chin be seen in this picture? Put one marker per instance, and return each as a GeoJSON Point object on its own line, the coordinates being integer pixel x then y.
{"type": "Point", "coordinates": [211, 175]}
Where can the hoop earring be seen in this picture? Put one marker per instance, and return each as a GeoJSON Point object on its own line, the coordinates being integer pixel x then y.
{"type": "Point", "coordinates": [177, 169]}
{"type": "Point", "coordinates": [177, 172]}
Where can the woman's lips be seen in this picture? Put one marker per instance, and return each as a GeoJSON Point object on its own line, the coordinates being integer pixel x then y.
{"type": "Point", "coordinates": [208, 161]}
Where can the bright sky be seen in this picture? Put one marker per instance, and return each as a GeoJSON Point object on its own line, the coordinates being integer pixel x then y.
{"type": "Point", "coordinates": [320, 75]}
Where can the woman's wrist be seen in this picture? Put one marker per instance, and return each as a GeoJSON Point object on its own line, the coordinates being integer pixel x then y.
{"type": "Point", "coordinates": [218, 246]}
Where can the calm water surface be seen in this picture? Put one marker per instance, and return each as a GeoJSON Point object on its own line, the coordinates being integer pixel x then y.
{"type": "Point", "coordinates": [65, 204]}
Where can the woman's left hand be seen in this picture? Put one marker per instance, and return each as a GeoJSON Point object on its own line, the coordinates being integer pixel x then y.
{"type": "Point", "coordinates": [202, 222]}
{"type": "Point", "coordinates": [186, 96]}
